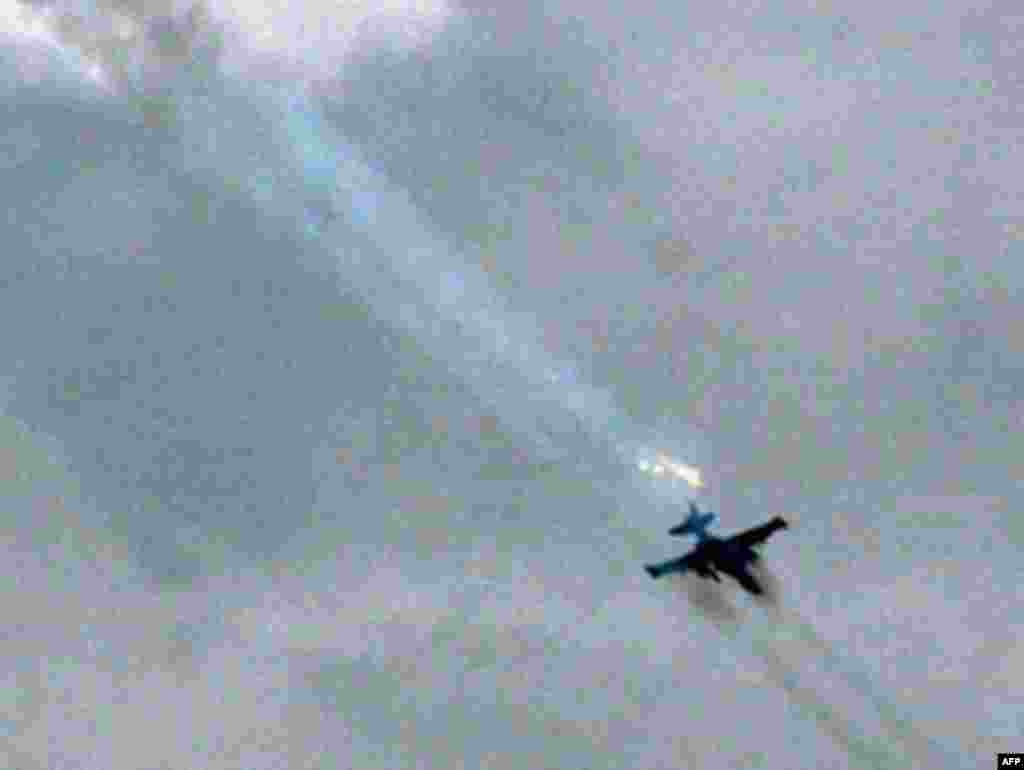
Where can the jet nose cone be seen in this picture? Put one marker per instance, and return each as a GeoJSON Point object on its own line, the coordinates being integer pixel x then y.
{"type": "Point", "coordinates": [677, 530]}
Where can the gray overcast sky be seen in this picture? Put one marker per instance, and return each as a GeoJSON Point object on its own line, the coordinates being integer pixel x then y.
{"type": "Point", "coordinates": [305, 304]}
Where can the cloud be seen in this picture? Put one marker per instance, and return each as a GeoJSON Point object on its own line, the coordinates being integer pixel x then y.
{"type": "Point", "coordinates": [133, 44]}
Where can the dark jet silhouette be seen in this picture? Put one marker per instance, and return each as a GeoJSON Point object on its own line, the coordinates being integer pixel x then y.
{"type": "Point", "coordinates": [730, 555]}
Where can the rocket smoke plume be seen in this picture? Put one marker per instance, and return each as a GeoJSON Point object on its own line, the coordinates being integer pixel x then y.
{"type": "Point", "coordinates": [272, 141]}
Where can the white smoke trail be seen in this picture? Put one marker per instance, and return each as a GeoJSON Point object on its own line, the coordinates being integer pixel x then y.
{"type": "Point", "coordinates": [414, 279]}
{"type": "Point", "coordinates": [272, 141]}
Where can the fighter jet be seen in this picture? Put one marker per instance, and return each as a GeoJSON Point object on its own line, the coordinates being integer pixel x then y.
{"type": "Point", "coordinates": [730, 555]}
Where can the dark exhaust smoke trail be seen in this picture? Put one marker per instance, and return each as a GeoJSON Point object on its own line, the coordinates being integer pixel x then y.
{"type": "Point", "coordinates": [865, 751]}
{"type": "Point", "coordinates": [794, 654]}
{"type": "Point", "coordinates": [715, 604]}
{"type": "Point", "coordinates": [896, 722]}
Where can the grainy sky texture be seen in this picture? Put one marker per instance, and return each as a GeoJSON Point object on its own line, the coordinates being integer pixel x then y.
{"type": "Point", "coordinates": [335, 337]}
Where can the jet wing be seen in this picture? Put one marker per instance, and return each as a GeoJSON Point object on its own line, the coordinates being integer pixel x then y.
{"type": "Point", "coordinates": [757, 535]}
{"type": "Point", "coordinates": [681, 564]}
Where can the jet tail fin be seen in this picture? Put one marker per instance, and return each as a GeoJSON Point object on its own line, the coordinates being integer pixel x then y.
{"type": "Point", "coordinates": [695, 524]}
